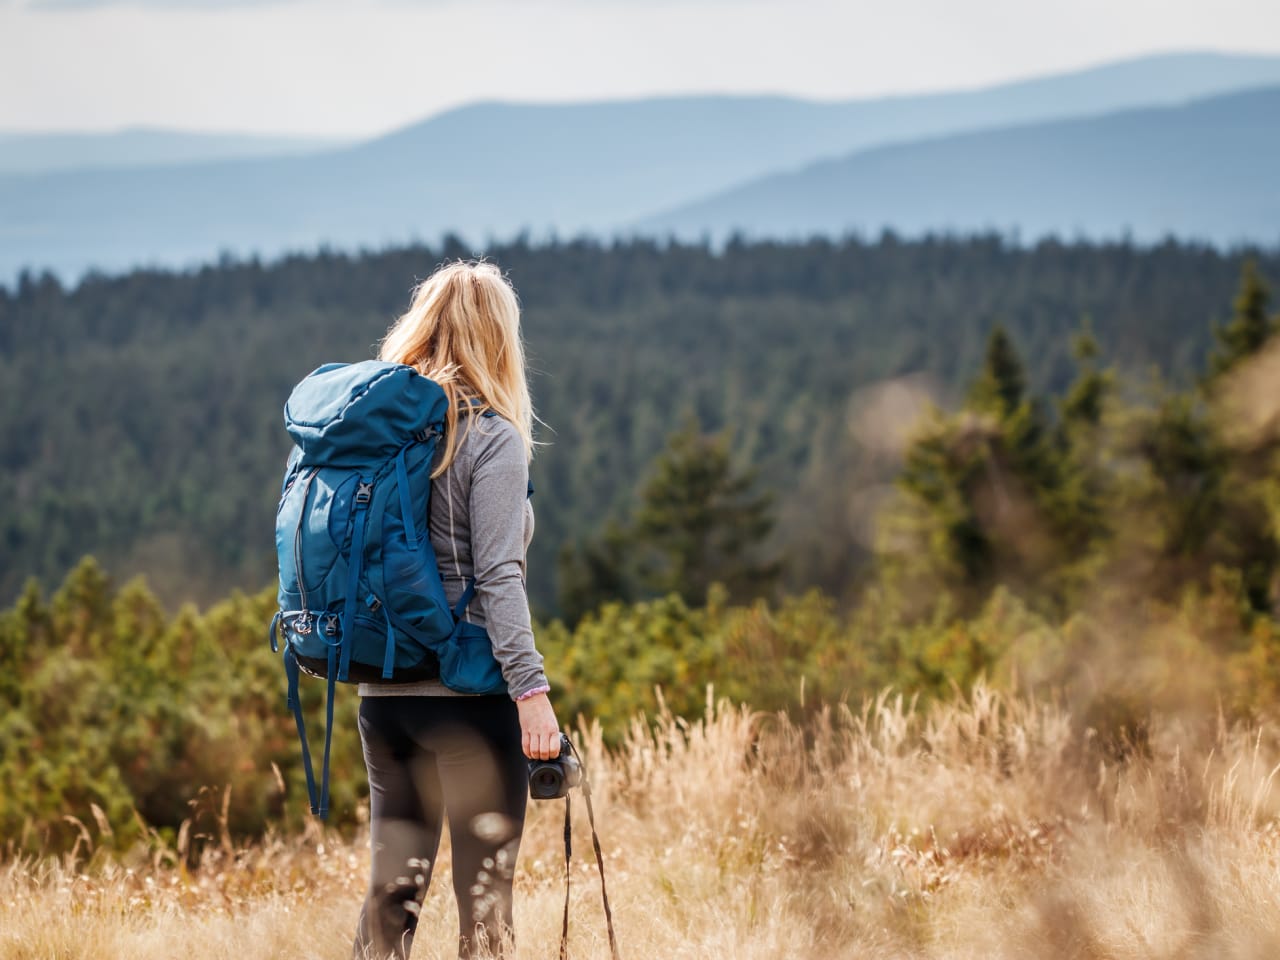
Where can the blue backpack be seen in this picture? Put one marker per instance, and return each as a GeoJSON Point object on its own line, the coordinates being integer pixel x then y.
{"type": "Point", "coordinates": [360, 593]}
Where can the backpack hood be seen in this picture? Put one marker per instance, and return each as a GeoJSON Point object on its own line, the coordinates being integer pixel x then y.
{"type": "Point", "coordinates": [355, 414]}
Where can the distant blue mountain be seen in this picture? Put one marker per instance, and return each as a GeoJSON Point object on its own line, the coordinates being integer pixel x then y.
{"type": "Point", "coordinates": [50, 152]}
{"type": "Point", "coordinates": [495, 169]}
{"type": "Point", "coordinates": [1204, 171]}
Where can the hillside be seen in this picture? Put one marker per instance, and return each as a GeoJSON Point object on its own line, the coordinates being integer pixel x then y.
{"type": "Point", "coordinates": [1200, 171]}
{"type": "Point", "coordinates": [491, 170]}
{"type": "Point", "coordinates": [140, 415]}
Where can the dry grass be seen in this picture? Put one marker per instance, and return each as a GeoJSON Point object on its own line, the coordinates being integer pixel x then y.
{"type": "Point", "coordinates": [989, 827]}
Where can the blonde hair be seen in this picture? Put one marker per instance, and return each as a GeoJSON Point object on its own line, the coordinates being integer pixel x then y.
{"type": "Point", "coordinates": [462, 330]}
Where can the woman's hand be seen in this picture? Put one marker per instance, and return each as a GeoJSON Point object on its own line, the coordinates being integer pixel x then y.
{"type": "Point", "coordinates": [539, 727]}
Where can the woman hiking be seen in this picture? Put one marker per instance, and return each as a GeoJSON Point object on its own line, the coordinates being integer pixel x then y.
{"type": "Point", "coordinates": [432, 753]}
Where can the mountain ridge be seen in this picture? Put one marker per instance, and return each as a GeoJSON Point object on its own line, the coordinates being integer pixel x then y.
{"type": "Point", "coordinates": [902, 186]}
{"type": "Point", "coordinates": [35, 152]}
{"type": "Point", "coordinates": [493, 170]}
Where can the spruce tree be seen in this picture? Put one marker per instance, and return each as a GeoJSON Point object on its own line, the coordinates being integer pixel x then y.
{"type": "Point", "coordinates": [594, 572]}
{"type": "Point", "coordinates": [1249, 328]}
{"type": "Point", "coordinates": [993, 494]}
{"type": "Point", "coordinates": [1083, 404]}
{"type": "Point", "coordinates": [1248, 450]}
{"type": "Point", "coordinates": [1080, 500]}
{"type": "Point", "coordinates": [1002, 385]}
{"type": "Point", "coordinates": [701, 522]}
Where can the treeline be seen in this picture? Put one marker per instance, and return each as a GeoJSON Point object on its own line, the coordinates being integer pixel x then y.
{"type": "Point", "coordinates": [140, 415]}
{"type": "Point", "coordinates": [1060, 522]}
{"type": "Point", "coordinates": [1110, 488]}
{"type": "Point", "coordinates": [1117, 539]}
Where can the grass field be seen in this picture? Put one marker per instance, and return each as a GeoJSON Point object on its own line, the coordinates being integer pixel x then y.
{"type": "Point", "coordinates": [989, 827]}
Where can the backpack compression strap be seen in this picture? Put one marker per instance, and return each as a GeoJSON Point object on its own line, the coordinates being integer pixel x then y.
{"type": "Point", "coordinates": [295, 705]}
{"type": "Point", "coordinates": [364, 493]}
{"type": "Point", "coordinates": [319, 805]}
{"type": "Point", "coordinates": [337, 667]}
{"type": "Point", "coordinates": [461, 606]}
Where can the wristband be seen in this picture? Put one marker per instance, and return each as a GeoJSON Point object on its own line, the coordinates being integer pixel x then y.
{"type": "Point", "coordinates": [545, 688]}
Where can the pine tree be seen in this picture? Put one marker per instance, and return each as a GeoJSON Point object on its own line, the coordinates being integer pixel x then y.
{"type": "Point", "coordinates": [593, 572]}
{"type": "Point", "coordinates": [1183, 507]}
{"type": "Point", "coordinates": [1002, 385]}
{"type": "Point", "coordinates": [983, 493]}
{"type": "Point", "coordinates": [1239, 386]}
{"type": "Point", "coordinates": [700, 522]}
{"type": "Point", "coordinates": [1083, 404]}
{"type": "Point", "coordinates": [1249, 328]}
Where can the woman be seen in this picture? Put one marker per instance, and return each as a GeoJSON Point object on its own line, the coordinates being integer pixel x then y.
{"type": "Point", "coordinates": [432, 753]}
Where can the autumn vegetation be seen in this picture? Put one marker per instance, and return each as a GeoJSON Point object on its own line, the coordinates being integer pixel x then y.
{"type": "Point", "coordinates": [1025, 706]}
{"type": "Point", "coordinates": [984, 826]}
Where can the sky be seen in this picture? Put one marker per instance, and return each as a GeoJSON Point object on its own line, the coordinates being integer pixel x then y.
{"type": "Point", "coordinates": [354, 68]}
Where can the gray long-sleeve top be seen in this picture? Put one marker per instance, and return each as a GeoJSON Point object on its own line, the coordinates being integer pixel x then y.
{"type": "Point", "coordinates": [480, 523]}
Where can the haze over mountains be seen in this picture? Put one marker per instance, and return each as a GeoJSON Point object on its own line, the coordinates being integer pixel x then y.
{"type": "Point", "coordinates": [140, 147]}
{"type": "Point", "coordinates": [1207, 169]}
{"type": "Point", "coordinates": [1159, 145]}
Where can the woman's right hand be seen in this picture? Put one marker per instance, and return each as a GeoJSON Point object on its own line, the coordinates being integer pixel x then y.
{"type": "Point", "coordinates": [541, 733]}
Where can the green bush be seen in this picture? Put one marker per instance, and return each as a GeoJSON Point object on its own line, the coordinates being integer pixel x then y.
{"type": "Point", "coordinates": [118, 714]}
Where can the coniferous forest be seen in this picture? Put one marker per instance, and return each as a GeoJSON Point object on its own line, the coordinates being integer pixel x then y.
{"type": "Point", "coordinates": [847, 465]}
{"type": "Point", "coordinates": [142, 422]}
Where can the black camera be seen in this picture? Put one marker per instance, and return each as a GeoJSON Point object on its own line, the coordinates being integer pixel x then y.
{"type": "Point", "coordinates": [552, 779]}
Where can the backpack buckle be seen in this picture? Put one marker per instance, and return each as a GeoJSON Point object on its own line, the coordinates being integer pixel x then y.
{"type": "Point", "coordinates": [364, 492]}
{"type": "Point", "coordinates": [331, 625]}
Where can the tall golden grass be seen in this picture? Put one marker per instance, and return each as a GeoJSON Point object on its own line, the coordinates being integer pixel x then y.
{"type": "Point", "coordinates": [987, 827]}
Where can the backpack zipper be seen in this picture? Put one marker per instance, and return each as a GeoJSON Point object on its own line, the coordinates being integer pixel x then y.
{"type": "Point", "coordinates": [302, 624]}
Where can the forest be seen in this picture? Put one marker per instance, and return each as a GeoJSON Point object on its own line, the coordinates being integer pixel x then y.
{"type": "Point", "coordinates": [140, 414]}
{"type": "Point", "coordinates": [799, 474]}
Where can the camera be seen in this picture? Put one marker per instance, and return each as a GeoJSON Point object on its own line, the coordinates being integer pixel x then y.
{"type": "Point", "coordinates": [552, 779]}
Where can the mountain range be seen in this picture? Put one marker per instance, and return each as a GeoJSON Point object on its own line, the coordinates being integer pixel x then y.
{"type": "Point", "coordinates": [140, 147]}
{"type": "Point", "coordinates": [1169, 144]}
{"type": "Point", "coordinates": [1205, 170]}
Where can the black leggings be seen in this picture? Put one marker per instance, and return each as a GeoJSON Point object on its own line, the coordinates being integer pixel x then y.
{"type": "Point", "coordinates": [428, 758]}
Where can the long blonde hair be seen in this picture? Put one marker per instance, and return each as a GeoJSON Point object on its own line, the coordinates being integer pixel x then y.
{"type": "Point", "coordinates": [462, 330]}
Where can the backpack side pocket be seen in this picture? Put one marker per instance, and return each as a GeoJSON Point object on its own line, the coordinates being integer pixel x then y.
{"type": "Point", "coordinates": [467, 664]}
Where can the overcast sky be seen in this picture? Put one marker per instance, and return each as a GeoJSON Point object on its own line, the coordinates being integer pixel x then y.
{"type": "Point", "coordinates": [356, 67]}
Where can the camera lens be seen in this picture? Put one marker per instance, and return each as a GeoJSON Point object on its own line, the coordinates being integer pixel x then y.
{"type": "Point", "coordinates": [544, 782]}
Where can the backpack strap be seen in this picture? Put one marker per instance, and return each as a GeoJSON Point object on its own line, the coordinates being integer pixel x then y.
{"type": "Point", "coordinates": [407, 628]}
{"type": "Point", "coordinates": [461, 607]}
{"type": "Point", "coordinates": [319, 800]}
{"type": "Point", "coordinates": [290, 470]}
{"type": "Point", "coordinates": [273, 633]}
{"type": "Point", "coordinates": [336, 666]}
{"type": "Point", "coordinates": [406, 505]}
{"type": "Point", "coordinates": [364, 493]}
{"type": "Point", "coordinates": [389, 656]}
{"type": "Point", "coordinates": [322, 809]}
